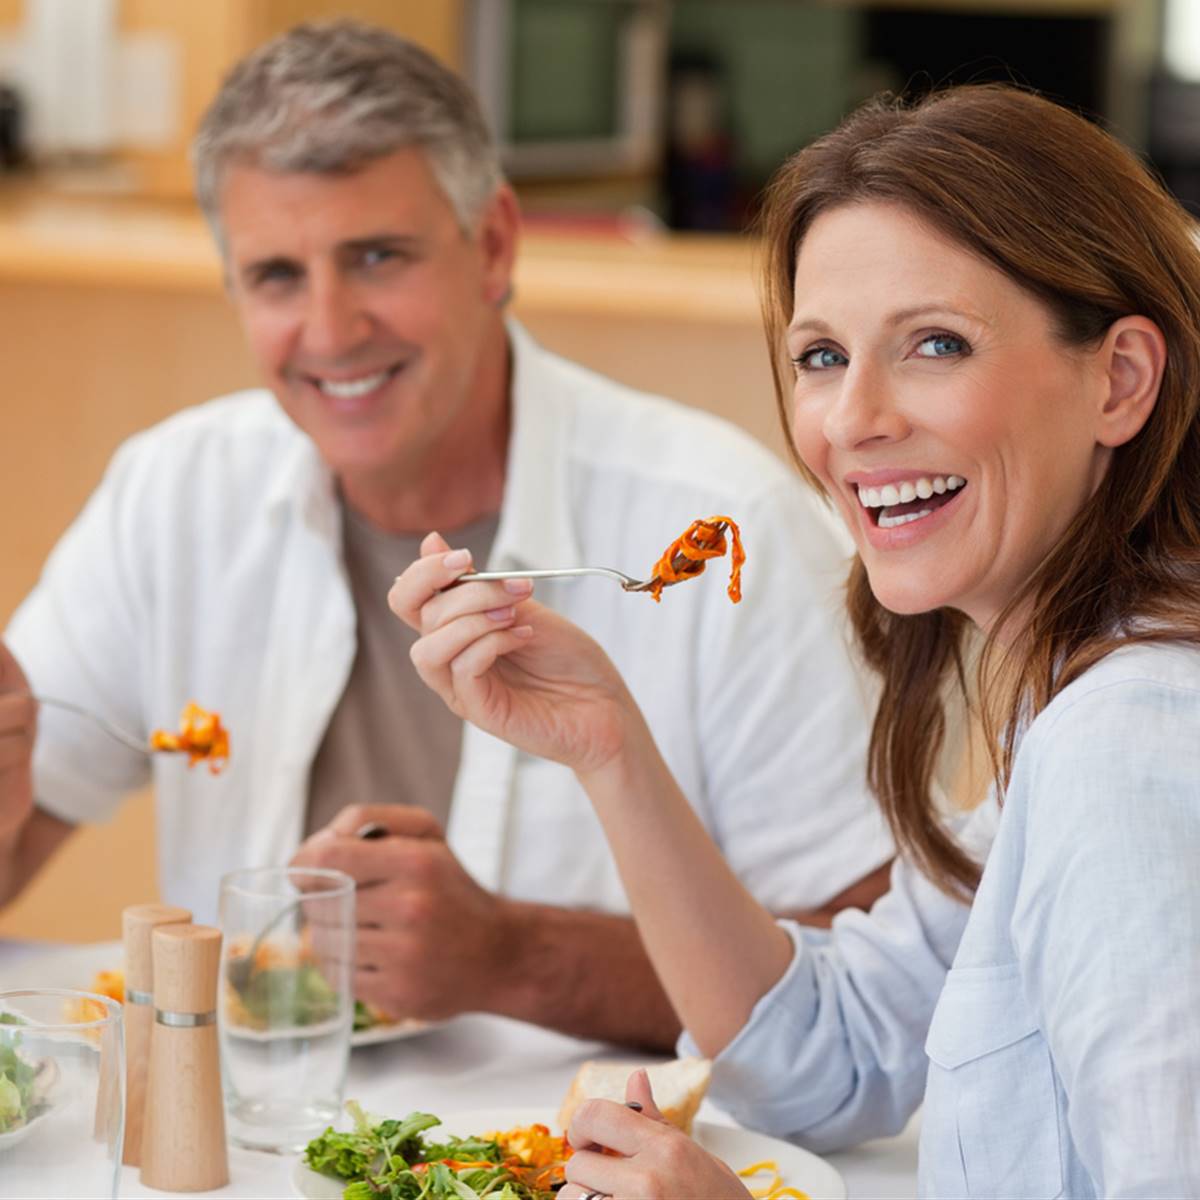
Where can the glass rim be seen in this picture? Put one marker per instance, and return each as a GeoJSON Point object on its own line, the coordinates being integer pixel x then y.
{"type": "Point", "coordinates": [113, 1009]}
{"type": "Point", "coordinates": [240, 883]}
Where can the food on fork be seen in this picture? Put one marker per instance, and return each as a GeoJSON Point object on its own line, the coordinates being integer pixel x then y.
{"type": "Point", "coordinates": [678, 1087]}
{"type": "Point", "coordinates": [686, 556]}
{"type": "Point", "coordinates": [201, 737]}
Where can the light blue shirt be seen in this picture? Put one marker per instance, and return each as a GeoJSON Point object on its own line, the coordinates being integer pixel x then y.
{"type": "Point", "coordinates": [1054, 1026]}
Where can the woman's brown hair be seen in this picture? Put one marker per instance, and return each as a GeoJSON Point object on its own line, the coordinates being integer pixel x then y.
{"type": "Point", "coordinates": [1072, 217]}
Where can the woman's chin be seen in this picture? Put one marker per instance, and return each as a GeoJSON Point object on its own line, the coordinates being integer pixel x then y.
{"type": "Point", "coordinates": [904, 597]}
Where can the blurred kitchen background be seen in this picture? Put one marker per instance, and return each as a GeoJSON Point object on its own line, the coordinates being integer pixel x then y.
{"type": "Point", "coordinates": [638, 133]}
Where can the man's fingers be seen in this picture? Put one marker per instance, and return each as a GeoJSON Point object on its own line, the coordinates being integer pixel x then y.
{"type": "Point", "coordinates": [18, 713]}
{"type": "Point", "coordinates": [400, 820]}
{"type": "Point", "coordinates": [368, 863]}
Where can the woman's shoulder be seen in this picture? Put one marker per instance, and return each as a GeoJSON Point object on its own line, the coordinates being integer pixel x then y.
{"type": "Point", "coordinates": [1135, 711]}
{"type": "Point", "coordinates": [1133, 672]}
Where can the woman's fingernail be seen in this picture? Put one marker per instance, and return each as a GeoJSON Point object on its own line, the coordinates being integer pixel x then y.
{"type": "Point", "coordinates": [456, 559]}
{"type": "Point", "coordinates": [524, 631]}
{"type": "Point", "coordinates": [518, 587]}
{"type": "Point", "coordinates": [502, 614]}
{"type": "Point", "coordinates": [634, 1105]}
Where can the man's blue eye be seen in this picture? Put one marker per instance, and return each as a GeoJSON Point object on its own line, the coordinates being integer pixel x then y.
{"type": "Point", "coordinates": [377, 256]}
{"type": "Point", "coordinates": [941, 345]}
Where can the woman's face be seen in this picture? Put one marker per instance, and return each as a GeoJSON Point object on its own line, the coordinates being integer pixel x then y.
{"type": "Point", "coordinates": [953, 429]}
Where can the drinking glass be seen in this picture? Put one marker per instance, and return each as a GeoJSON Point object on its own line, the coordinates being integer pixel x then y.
{"type": "Point", "coordinates": [285, 1004]}
{"type": "Point", "coordinates": [62, 1093]}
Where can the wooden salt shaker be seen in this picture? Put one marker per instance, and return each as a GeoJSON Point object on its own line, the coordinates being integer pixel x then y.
{"type": "Point", "coordinates": [137, 923]}
{"type": "Point", "coordinates": [183, 1139]}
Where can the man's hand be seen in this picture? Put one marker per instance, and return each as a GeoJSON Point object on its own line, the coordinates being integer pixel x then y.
{"type": "Point", "coordinates": [18, 728]}
{"type": "Point", "coordinates": [433, 943]}
{"type": "Point", "coordinates": [429, 937]}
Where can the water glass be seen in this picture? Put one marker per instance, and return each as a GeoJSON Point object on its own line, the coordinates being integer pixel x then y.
{"type": "Point", "coordinates": [62, 1094]}
{"type": "Point", "coordinates": [285, 1003]}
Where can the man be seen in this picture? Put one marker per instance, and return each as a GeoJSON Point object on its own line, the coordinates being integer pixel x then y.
{"type": "Point", "coordinates": [240, 554]}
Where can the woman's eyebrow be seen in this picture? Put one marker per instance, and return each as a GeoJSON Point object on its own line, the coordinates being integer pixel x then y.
{"type": "Point", "coordinates": [899, 317]}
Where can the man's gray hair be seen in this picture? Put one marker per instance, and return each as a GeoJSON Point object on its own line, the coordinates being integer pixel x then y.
{"type": "Point", "coordinates": [330, 98]}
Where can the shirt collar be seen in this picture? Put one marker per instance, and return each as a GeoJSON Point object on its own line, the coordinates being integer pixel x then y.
{"type": "Point", "coordinates": [535, 525]}
{"type": "Point", "coordinates": [535, 528]}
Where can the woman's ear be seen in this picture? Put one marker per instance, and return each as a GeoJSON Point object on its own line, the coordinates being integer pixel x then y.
{"type": "Point", "coordinates": [1134, 355]}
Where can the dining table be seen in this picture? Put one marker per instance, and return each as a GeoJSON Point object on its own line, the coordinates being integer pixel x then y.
{"type": "Point", "coordinates": [470, 1062]}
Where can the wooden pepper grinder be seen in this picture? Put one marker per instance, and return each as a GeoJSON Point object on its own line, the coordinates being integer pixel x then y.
{"type": "Point", "coordinates": [137, 923]}
{"type": "Point", "coordinates": [183, 1138]}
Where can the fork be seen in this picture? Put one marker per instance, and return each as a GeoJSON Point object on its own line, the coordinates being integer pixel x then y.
{"type": "Point", "coordinates": [628, 584]}
{"type": "Point", "coordinates": [142, 745]}
{"type": "Point", "coordinates": [239, 968]}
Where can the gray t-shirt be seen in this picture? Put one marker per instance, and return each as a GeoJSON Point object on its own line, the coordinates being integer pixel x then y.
{"type": "Point", "coordinates": [390, 740]}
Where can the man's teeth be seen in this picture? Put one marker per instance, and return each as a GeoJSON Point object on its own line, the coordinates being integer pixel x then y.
{"type": "Point", "coordinates": [351, 389]}
{"type": "Point", "coordinates": [923, 488]}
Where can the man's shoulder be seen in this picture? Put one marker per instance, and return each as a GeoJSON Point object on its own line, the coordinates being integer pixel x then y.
{"type": "Point", "coordinates": [216, 425]}
{"type": "Point", "coordinates": [244, 439]}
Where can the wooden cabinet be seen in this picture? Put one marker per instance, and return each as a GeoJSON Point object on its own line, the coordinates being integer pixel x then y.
{"type": "Point", "coordinates": [213, 35]}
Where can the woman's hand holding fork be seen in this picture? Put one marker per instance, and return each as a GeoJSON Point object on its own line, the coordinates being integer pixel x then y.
{"type": "Point", "coordinates": [511, 666]}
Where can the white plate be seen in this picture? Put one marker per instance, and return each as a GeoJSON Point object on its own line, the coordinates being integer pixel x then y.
{"type": "Point", "coordinates": [738, 1147]}
{"type": "Point", "coordinates": [15, 1136]}
{"type": "Point", "coordinates": [76, 966]}
{"type": "Point", "coordinates": [391, 1031]}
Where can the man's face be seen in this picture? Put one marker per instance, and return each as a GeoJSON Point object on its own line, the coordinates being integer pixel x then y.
{"type": "Point", "coordinates": [366, 305]}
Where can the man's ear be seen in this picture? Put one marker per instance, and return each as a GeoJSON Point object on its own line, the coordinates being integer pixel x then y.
{"type": "Point", "coordinates": [498, 228]}
{"type": "Point", "coordinates": [1134, 354]}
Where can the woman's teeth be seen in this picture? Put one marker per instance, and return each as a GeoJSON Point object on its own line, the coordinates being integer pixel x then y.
{"type": "Point", "coordinates": [911, 490]}
{"type": "Point", "coordinates": [351, 389]}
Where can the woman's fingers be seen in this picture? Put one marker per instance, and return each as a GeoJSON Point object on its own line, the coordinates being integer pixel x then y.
{"type": "Point", "coordinates": [611, 1125]}
{"type": "Point", "coordinates": [639, 1095]}
{"type": "Point", "coordinates": [423, 598]}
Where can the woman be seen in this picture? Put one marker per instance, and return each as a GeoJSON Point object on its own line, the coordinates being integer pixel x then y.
{"type": "Point", "coordinates": [991, 313]}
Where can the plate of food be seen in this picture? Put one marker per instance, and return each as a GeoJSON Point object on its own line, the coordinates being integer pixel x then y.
{"type": "Point", "coordinates": [521, 1154]}
{"type": "Point", "coordinates": [26, 1088]}
{"type": "Point", "coordinates": [372, 1025]}
{"type": "Point", "coordinates": [74, 966]}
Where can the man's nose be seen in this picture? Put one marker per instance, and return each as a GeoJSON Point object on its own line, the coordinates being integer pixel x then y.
{"type": "Point", "coordinates": [334, 320]}
{"type": "Point", "coordinates": [864, 411]}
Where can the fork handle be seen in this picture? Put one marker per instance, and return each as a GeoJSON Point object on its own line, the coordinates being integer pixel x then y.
{"type": "Point", "coordinates": [559, 573]}
{"type": "Point", "coordinates": [113, 731]}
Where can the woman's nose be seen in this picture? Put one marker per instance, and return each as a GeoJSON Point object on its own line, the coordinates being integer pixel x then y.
{"type": "Point", "coordinates": [863, 411]}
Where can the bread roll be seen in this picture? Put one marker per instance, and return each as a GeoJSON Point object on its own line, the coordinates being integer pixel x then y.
{"type": "Point", "coordinates": [678, 1087]}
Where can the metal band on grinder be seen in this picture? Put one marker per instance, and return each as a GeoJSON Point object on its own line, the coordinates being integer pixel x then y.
{"type": "Point", "coordinates": [177, 1020]}
{"type": "Point", "coordinates": [133, 996]}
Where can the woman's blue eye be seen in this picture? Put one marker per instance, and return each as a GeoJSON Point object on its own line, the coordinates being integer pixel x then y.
{"type": "Point", "coordinates": [821, 358]}
{"type": "Point", "coordinates": [940, 345]}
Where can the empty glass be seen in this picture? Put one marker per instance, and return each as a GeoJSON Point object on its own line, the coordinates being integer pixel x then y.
{"type": "Point", "coordinates": [62, 1094]}
{"type": "Point", "coordinates": [285, 1002]}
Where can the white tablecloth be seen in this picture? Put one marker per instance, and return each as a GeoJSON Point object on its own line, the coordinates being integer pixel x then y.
{"type": "Point", "coordinates": [472, 1062]}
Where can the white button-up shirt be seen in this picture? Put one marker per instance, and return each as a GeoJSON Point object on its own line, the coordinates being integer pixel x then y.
{"type": "Point", "coordinates": [1054, 1026]}
{"type": "Point", "coordinates": [207, 566]}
